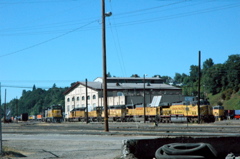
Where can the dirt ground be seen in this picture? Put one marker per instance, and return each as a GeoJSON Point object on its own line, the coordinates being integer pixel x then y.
{"type": "Point", "coordinates": [64, 146]}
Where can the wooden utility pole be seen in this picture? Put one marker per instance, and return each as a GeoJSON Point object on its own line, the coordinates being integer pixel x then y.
{"type": "Point", "coordinates": [104, 68]}
{"type": "Point", "coordinates": [86, 85]}
{"type": "Point", "coordinates": [199, 82]}
{"type": "Point", "coordinates": [0, 121]}
{"type": "Point", "coordinates": [17, 108]}
{"type": "Point", "coordinates": [144, 105]}
{"type": "Point", "coordinates": [5, 106]}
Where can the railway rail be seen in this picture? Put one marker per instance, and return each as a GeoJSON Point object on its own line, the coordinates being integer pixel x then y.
{"type": "Point", "coordinates": [146, 129]}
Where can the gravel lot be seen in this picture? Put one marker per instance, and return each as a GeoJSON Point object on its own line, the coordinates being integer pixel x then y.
{"type": "Point", "coordinates": [64, 146]}
{"type": "Point", "coordinates": [81, 141]}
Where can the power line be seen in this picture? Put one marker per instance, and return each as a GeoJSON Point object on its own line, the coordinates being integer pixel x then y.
{"type": "Point", "coordinates": [173, 16]}
{"type": "Point", "coordinates": [46, 41]}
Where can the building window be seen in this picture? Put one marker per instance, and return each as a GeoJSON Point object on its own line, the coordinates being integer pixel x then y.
{"type": "Point", "coordinates": [94, 97]}
{"type": "Point", "coordinates": [83, 98]}
{"type": "Point", "coordinates": [83, 105]}
{"type": "Point", "coordinates": [72, 98]}
{"type": "Point", "coordinates": [88, 97]}
{"type": "Point", "coordinates": [68, 99]}
{"type": "Point", "coordinates": [77, 98]}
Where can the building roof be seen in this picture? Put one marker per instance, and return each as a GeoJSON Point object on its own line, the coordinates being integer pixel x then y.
{"type": "Point", "coordinates": [131, 79]}
{"type": "Point", "coordinates": [123, 86]}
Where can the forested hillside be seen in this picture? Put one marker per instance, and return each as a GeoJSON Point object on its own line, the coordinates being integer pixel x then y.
{"type": "Point", "coordinates": [34, 101]}
{"type": "Point", "coordinates": [220, 84]}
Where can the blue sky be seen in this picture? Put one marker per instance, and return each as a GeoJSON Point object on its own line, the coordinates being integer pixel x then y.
{"type": "Point", "coordinates": [60, 41]}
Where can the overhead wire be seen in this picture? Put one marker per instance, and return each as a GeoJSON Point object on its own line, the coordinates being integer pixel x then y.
{"type": "Point", "coordinates": [31, 30]}
{"type": "Point", "coordinates": [117, 46]}
{"type": "Point", "coordinates": [120, 24]}
{"type": "Point", "coordinates": [178, 15]}
{"type": "Point", "coordinates": [46, 41]}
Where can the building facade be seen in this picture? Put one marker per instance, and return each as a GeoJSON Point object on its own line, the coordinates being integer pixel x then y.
{"type": "Point", "coordinates": [128, 93]}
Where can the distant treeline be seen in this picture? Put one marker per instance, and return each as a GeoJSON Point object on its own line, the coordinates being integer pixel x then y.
{"type": "Point", "coordinates": [35, 100]}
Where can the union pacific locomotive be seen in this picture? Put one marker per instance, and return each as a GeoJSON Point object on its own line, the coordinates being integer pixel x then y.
{"type": "Point", "coordinates": [53, 113]}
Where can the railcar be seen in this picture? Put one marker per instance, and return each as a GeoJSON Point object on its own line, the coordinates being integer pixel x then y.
{"type": "Point", "coordinates": [80, 114]}
{"type": "Point", "coordinates": [237, 114]}
{"type": "Point", "coordinates": [116, 113]}
{"type": "Point", "coordinates": [186, 112]}
{"type": "Point", "coordinates": [229, 114]}
{"type": "Point", "coordinates": [96, 114]}
{"type": "Point", "coordinates": [136, 113]}
{"type": "Point", "coordinates": [77, 114]}
{"type": "Point", "coordinates": [218, 112]}
{"type": "Point", "coordinates": [53, 114]}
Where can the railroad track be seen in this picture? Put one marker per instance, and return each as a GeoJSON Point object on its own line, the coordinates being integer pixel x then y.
{"type": "Point", "coordinates": [144, 129]}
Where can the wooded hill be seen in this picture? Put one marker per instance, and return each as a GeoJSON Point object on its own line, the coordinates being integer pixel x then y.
{"type": "Point", "coordinates": [220, 84]}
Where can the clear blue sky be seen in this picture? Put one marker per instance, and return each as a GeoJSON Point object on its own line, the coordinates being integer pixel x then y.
{"type": "Point", "coordinates": [60, 41]}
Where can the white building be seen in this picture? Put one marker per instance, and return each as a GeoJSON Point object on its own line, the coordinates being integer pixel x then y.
{"type": "Point", "coordinates": [123, 93]}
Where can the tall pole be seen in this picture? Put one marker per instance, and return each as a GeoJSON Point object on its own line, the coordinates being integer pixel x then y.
{"type": "Point", "coordinates": [0, 95]}
{"type": "Point", "coordinates": [0, 121]}
{"type": "Point", "coordinates": [199, 82]}
{"type": "Point", "coordinates": [5, 106]}
{"type": "Point", "coordinates": [104, 68]}
{"type": "Point", "coordinates": [86, 102]}
{"type": "Point", "coordinates": [17, 108]}
{"type": "Point", "coordinates": [144, 106]}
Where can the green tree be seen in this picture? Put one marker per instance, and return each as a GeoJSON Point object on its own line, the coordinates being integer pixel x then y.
{"type": "Point", "coordinates": [208, 64]}
{"type": "Point", "coordinates": [194, 73]}
{"type": "Point", "coordinates": [232, 66]}
{"type": "Point", "coordinates": [135, 75]}
{"type": "Point", "coordinates": [34, 87]}
{"type": "Point", "coordinates": [109, 74]}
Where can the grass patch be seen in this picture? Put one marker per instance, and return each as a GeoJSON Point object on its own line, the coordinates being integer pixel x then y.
{"type": "Point", "coordinates": [10, 152]}
{"type": "Point", "coordinates": [232, 104]}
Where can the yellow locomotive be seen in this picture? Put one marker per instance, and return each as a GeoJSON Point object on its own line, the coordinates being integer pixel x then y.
{"type": "Point", "coordinates": [218, 112]}
{"type": "Point", "coordinates": [176, 112]}
{"type": "Point", "coordinates": [80, 114]}
{"type": "Point", "coordinates": [53, 114]}
{"type": "Point", "coordinates": [186, 112]}
{"type": "Point", "coordinates": [136, 113]}
{"type": "Point", "coordinates": [77, 114]}
{"type": "Point", "coordinates": [116, 113]}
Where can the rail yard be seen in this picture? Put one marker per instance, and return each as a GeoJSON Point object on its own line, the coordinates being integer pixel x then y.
{"type": "Point", "coordinates": [23, 136]}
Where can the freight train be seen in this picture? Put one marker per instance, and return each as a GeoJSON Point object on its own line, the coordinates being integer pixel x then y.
{"type": "Point", "coordinates": [176, 112]}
